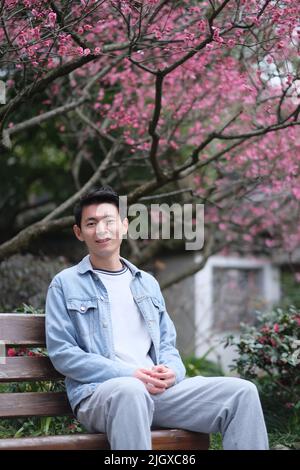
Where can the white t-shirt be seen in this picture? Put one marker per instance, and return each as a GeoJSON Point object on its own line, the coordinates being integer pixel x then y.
{"type": "Point", "coordinates": [132, 340]}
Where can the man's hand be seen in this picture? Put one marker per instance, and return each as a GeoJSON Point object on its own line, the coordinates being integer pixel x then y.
{"type": "Point", "coordinates": [148, 377]}
{"type": "Point", "coordinates": [164, 374]}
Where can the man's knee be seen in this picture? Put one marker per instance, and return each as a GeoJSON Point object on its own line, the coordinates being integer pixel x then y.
{"type": "Point", "coordinates": [247, 387]}
{"type": "Point", "coordinates": [245, 392]}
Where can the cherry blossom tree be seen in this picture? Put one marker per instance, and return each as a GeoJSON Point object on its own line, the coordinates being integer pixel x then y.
{"type": "Point", "coordinates": [200, 99]}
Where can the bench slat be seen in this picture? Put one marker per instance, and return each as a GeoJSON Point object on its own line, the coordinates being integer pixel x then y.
{"type": "Point", "coordinates": [167, 439]}
{"type": "Point", "coordinates": [23, 369]}
{"type": "Point", "coordinates": [25, 404]}
{"type": "Point", "coordinates": [22, 329]}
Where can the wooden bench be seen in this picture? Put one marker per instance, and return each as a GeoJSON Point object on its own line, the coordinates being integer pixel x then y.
{"type": "Point", "coordinates": [28, 330]}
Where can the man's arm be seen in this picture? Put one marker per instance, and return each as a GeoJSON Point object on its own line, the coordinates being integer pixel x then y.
{"type": "Point", "coordinates": [67, 357]}
{"type": "Point", "coordinates": [168, 355]}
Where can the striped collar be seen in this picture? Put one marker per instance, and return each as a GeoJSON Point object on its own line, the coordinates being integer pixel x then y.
{"type": "Point", "coordinates": [85, 266]}
{"type": "Point", "coordinates": [112, 273]}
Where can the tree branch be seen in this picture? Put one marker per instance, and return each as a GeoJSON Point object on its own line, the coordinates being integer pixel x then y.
{"type": "Point", "coordinates": [65, 69]}
{"type": "Point", "coordinates": [153, 128]}
{"type": "Point", "coordinates": [210, 248]}
{"type": "Point", "coordinates": [73, 199]}
{"type": "Point", "coordinates": [262, 131]}
{"type": "Point", "coordinates": [23, 238]}
{"type": "Point", "coordinates": [200, 46]}
{"type": "Point", "coordinates": [37, 120]}
{"type": "Point", "coordinates": [62, 109]}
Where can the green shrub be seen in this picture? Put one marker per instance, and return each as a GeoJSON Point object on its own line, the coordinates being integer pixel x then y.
{"type": "Point", "coordinates": [269, 355]}
{"type": "Point", "coordinates": [202, 366]}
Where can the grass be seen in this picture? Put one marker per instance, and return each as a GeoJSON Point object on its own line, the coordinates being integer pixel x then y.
{"type": "Point", "coordinates": [276, 439]}
{"type": "Point", "coordinates": [291, 440]}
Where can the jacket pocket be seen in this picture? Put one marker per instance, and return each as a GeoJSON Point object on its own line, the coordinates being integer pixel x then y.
{"type": "Point", "coordinates": [82, 313]}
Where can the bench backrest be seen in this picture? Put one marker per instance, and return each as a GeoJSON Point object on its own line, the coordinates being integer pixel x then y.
{"type": "Point", "coordinates": [27, 330]}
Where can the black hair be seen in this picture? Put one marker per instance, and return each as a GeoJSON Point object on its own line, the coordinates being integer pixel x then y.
{"type": "Point", "coordinates": [95, 196]}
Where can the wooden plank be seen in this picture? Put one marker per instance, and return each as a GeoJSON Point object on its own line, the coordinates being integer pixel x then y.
{"type": "Point", "coordinates": [167, 439]}
{"type": "Point", "coordinates": [23, 369]}
{"type": "Point", "coordinates": [66, 442]}
{"type": "Point", "coordinates": [22, 329]}
{"type": "Point", "coordinates": [14, 405]}
{"type": "Point", "coordinates": [179, 439]}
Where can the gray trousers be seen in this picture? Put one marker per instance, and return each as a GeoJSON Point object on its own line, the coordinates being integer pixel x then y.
{"type": "Point", "coordinates": [124, 410]}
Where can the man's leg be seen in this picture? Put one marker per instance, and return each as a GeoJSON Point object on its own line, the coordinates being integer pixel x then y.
{"type": "Point", "coordinates": [123, 409]}
{"type": "Point", "coordinates": [215, 404]}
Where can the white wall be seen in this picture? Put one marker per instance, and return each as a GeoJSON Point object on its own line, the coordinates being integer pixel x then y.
{"type": "Point", "coordinates": [206, 338]}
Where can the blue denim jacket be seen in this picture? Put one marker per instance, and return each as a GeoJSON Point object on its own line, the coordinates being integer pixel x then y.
{"type": "Point", "coordinates": [79, 329]}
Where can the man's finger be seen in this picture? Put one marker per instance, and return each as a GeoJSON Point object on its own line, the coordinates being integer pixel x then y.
{"type": "Point", "coordinates": [153, 381]}
{"type": "Point", "coordinates": [163, 375]}
{"type": "Point", "coordinates": [154, 390]}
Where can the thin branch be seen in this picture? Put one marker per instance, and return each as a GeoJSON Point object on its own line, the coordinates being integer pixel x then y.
{"type": "Point", "coordinates": [73, 199]}
{"type": "Point", "coordinates": [171, 193]}
{"type": "Point", "coordinates": [104, 72]}
{"type": "Point", "coordinates": [60, 21]}
{"type": "Point", "coordinates": [93, 126]}
{"type": "Point", "coordinates": [195, 154]}
{"type": "Point", "coordinates": [37, 120]}
{"type": "Point", "coordinates": [200, 46]}
{"type": "Point", "coordinates": [23, 238]}
{"type": "Point", "coordinates": [65, 69]}
{"type": "Point", "coordinates": [209, 249]}
{"type": "Point", "coordinates": [153, 127]}
{"type": "Point", "coordinates": [62, 109]}
{"type": "Point", "coordinates": [262, 131]}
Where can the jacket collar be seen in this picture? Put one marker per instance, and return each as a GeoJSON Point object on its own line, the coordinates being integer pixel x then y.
{"type": "Point", "coordinates": [85, 265]}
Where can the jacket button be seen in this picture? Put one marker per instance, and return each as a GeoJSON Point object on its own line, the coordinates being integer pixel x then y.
{"type": "Point", "coordinates": [101, 298]}
{"type": "Point", "coordinates": [82, 308]}
{"type": "Point", "coordinates": [105, 324]}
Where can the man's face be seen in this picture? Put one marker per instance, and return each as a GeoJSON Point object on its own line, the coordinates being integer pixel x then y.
{"type": "Point", "coordinates": [101, 229]}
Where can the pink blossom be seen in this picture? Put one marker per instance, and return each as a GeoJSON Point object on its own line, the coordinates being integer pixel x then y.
{"type": "Point", "coordinates": [231, 43]}
{"type": "Point", "coordinates": [289, 405]}
{"type": "Point", "coordinates": [52, 19]}
{"type": "Point", "coordinates": [296, 192]}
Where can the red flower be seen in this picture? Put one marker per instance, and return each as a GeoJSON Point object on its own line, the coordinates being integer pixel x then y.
{"type": "Point", "coordinates": [289, 405]}
{"type": "Point", "coordinates": [11, 352]}
{"type": "Point", "coordinates": [262, 339]}
{"type": "Point", "coordinates": [276, 328]}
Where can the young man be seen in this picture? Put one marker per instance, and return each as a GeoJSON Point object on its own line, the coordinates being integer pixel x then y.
{"type": "Point", "coordinates": [108, 332]}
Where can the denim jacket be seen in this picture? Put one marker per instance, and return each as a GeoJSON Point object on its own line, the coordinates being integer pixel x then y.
{"type": "Point", "coordinates": [79, 328]}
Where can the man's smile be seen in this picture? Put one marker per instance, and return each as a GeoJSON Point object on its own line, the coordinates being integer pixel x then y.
{"type": "Point", "coordinates": [103, 240]}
